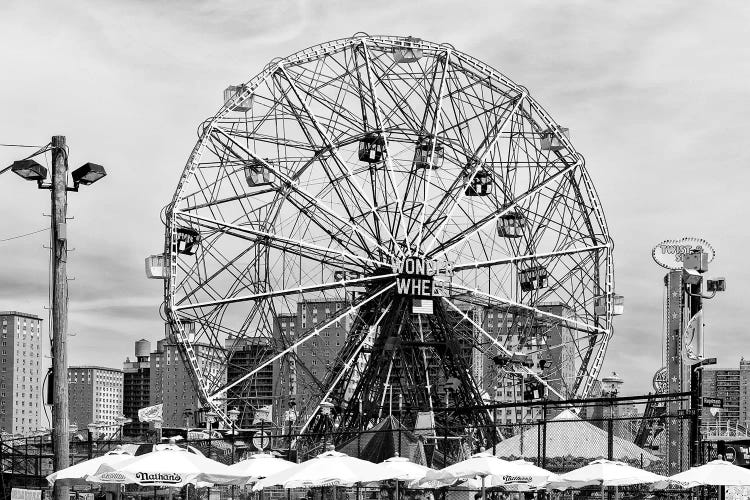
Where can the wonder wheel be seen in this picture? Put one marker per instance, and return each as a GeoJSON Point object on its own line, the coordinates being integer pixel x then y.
{"type": "Point", "coordinates": [377, 224]}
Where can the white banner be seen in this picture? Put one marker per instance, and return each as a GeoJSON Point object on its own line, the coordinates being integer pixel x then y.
{"type": "Point", "coordinates": [692, 340]}
{"type": "Point", "coordinates": [263, 414]}
{"type": "Point", "coordinates": [151, 413]}
{"type": "Point", "coordinates": [22, 494]}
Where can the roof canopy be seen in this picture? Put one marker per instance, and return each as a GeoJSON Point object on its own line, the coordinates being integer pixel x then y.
{"type": "Point", "coordinates": [569, 436]}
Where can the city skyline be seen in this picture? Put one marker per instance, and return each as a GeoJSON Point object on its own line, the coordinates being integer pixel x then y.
{"type": "Point", "coordinates": [634, 87]}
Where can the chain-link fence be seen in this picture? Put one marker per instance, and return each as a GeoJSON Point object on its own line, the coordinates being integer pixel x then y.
{"type": "Point", "coordinates": [558, 436]}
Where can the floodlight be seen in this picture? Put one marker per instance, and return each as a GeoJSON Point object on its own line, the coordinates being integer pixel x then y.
{"type": "Point", "coordinates": [691, 276]}
{"type": "Point", "coordinates": [88, 173]}
{"type": "Point", "coordinates": [696, 260]}
{"type": "Point", "coordinates": [716, 285]}
{"type": "Point", "coordinates": [29, 170]}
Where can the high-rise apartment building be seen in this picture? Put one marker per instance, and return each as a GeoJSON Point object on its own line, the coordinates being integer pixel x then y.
{"type": "Point", "coordinates": [524, 332]}
{"type": "Point", "coordinates": [732, 386]}
{"type": "Point", "coordinates": [136, 388]}
{"type": "Point", "coordinates": [319, 353]}
{"type": "Point", "coordinates": [245, 354]}
{"type": "Point", "coordinates": [20, 372]}
{"type": "Point", "coordinates": [285, 371]}
{"type": "Point", "coordinates": [172, 386]}
{"type": "Point", "coordinates": [95, 396]}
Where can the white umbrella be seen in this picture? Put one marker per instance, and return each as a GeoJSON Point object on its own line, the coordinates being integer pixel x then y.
{"type": "Point", "coordinates": [715, 473]}
{"type": "Point", "coordinates": [327, 469]}
{"type": "Point", "coordinates": [403, 469]}
{"type": "Point", "coordinates": [498, 471]}
{"type": "Point", "coordinates": [480, 464]}
{"type": "Point", "coordinates": [76, 473]}
{"type": "Point", "coordinates": [259, 466]}
{"type": "Point", "coordinates": [167, 467]}
{"type": "Point", "coordinates": [524, 476]}
{"type": "Point", "coordinates": [606, 473]}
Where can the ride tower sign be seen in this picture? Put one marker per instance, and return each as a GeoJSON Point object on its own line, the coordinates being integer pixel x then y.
{"type": "Point", "coordinates": [671, 254]}
{"type": "Point", "coordinates": [416, 279]}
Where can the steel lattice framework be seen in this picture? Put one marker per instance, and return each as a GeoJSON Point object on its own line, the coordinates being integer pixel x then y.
{"type": "Point", "coordinates": [331, 166]}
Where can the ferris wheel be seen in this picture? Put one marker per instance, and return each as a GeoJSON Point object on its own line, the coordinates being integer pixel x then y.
{"type": "Point", "coordinates": [440, 215]}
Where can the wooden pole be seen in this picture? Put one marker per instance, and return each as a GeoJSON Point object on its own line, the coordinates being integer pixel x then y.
{"type": "Point", "coordinates": [61, 456]}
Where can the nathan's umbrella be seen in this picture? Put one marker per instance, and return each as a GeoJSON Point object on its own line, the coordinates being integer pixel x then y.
{"type": "Point", "coordinates": [714, 473]}
{"type": "Point", "coordinates": [327, 469]}
{"type": "Point", "coordinates": [168, 467]}
{"type": "Point", "coordinates": [75, 474]}
{"type": "Point", "coordinates": [258, 466]}
{"type": "Point", "coordinates": [497, 471]}
{"type": "Point", "coordinates": [143, 448]}
{"type": "Point", "coordinates": [524, 476]}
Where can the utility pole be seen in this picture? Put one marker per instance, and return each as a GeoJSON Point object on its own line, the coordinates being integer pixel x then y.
{"type": "Point", "coordinates": [87, 174]}
{"type": "Point", "coordinates": [60, 440]}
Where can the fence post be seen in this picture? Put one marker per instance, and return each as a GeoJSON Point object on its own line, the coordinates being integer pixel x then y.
{"type": "Point", "coordinates": [494, 431]}
{"type": "Point", "coordinates": [538, 444]}
{"type": "Point", "coordinates": [610, 438]}
{"type": "Point", "coordinates": [544, 434]}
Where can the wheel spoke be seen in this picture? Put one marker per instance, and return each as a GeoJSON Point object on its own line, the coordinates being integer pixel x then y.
{"type": "Point", "coordinates": [502, 300]}
{"type": "Point", "coordinates": [288, 291]}
{"type": "Point", "coordinates": [305, 337]}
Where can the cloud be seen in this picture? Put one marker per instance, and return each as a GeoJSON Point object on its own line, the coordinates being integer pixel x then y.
{"type": "Point", "coordinates": [655, 95]}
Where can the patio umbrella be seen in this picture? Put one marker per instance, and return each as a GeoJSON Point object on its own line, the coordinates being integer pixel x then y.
{"type": "Point", "coordinates": [605, 473]}
{"type": "Point", "coordinates": [143, 448]}
{"type": "Point", "coordinates": [168, 467]}
{"type": "Point", "coordinates": [714, 473]}
{"type": "Point", "coordinates": [402, 469]}
{"type": "Point", "coordinates": [327, 469]}
{"type": "Point", "coordinates": [259, 466]}
{"type": "Point", "coordinates": [524, 476]}
{"type": "Point", "coordinates": [75, 474]}
{"type": "Point", "coordinates": [500, 472]}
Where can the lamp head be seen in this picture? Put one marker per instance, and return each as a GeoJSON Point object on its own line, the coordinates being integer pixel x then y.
{"type": "Point", "coordinates": [716, 285]}
{"type": "Point", "coordinates": [29, 170]}
{"type": "Point", "coordinates": [88, 173]}
{"type": "Point", "coordinates": [691, 276]}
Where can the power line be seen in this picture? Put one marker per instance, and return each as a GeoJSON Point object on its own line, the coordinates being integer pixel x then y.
{"type": "Point", "coordinates": [19, 146]}
{"type": "Point", "coordinates": [24, 235]}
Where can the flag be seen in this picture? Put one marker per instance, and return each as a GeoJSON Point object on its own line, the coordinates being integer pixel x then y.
{"type": "Point", "coordinates": [263, 414]}
{"type": "Point", "coordinates": [151, 413]}
{"type": "Point", "coordinates": [692, 340]}
{"type": "Point", "coordinates": [422, 306]}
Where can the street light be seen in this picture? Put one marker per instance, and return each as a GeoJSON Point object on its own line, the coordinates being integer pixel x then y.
{"type": "Point", "coordinates": [210, 419]}
{"type": "Point", "coordinates": [326, 407]}
{"type": "Point", "coordinates": [233, 414]}
{"type": "Point", "coordinates": [186, 414]}
{"type": "Point", "coordinates": [30, 170]}
{"type": "Point", "coordinates": [88, 174]}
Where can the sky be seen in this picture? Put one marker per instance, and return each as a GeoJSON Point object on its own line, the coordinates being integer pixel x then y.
{"type": "Point", "coordinates": [655, 94]}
